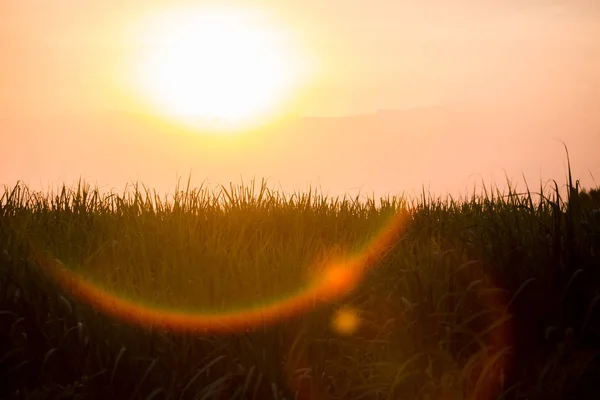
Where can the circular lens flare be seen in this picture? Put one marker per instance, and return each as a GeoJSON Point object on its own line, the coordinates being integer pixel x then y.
{"type": "Point", "coordinates": [346, 321]}
{"type": "Point", "coordinates": [336, 279]}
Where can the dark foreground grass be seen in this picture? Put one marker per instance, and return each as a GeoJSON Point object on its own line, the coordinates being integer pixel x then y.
{"type": "Point", "coordinates": [495, 296]}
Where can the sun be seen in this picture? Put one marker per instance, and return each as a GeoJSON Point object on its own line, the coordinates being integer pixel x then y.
{"type": "Point", "coordinates": [216, 67]}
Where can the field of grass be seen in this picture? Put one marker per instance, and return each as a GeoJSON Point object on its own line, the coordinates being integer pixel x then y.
{"type": "Point", "coordinates": [495, 296]}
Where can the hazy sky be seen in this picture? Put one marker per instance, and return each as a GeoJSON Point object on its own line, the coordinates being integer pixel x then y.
{"type": "Point", "coordinates": [529, 65]}
{"type": "Point", "coordinates": [382, 54]}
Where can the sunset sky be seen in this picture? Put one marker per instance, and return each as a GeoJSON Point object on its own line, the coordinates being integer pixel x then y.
{"type": "Point", "coordinates": [432, 92]}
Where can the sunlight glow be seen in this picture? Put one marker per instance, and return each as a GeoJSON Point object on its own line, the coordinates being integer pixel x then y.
{"type": "Point", "coordinates": [217, 67]}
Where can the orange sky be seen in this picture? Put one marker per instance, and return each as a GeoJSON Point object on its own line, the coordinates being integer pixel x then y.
{"type": "Point", "coordinates": [534, 70]}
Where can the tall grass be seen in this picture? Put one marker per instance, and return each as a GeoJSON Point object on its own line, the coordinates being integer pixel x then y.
{"type": "Point", "coordinates": [492, 297]}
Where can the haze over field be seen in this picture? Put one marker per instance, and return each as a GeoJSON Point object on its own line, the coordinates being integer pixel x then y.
{"type": "Point", "coordinates": [395, 96]}
{"type": "Point", "coordinates": [252, 285]}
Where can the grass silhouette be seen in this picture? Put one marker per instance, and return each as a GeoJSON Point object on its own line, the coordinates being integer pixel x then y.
{"type": "Point", "coordinates": [492, 297]}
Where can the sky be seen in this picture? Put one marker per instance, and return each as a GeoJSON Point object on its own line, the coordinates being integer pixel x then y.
{"type": "Point", "coordinates": [439, 93]}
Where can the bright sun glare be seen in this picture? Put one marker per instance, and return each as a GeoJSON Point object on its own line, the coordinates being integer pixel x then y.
{"type": "Point", "coordinates": [220, 68]}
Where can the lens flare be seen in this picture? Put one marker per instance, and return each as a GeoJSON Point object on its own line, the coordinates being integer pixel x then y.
{"type": "Point", "coordinates": [345, 321]}
{"type": "Point", "coordinates": [336, 280]}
